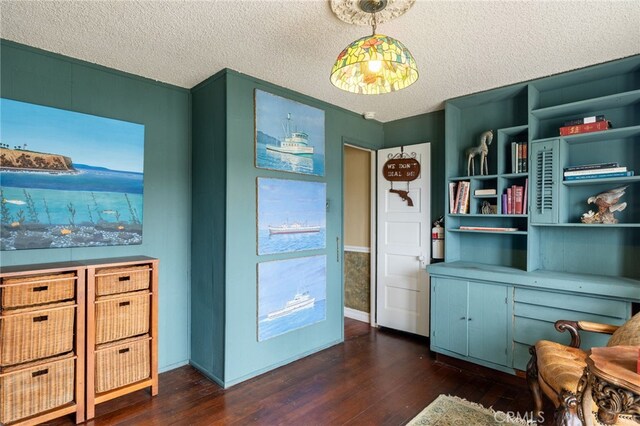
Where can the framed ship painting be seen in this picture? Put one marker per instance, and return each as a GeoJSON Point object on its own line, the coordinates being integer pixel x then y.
{"type": "Point", "coordinates": [291, 294]}
{"type": "Point", "coordinates": [289, 135]}
{"type": "Point", "coordinates": [68, 179]}
{"type": "Point", "coordinates": [291, 215]}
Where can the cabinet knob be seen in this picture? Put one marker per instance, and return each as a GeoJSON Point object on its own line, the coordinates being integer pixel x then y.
{"type": "Point", "coordinates": [470, 319]}
{"type": "Point", "coordinates": [463, 318]}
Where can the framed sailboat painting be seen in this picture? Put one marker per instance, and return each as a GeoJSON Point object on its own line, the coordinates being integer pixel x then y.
{"type": "Point", "coordinates": [292, 294]}
{"type": "Point", "coordinates": [289, 135]}
{"type": "Point", "coordinates": [291, 215]}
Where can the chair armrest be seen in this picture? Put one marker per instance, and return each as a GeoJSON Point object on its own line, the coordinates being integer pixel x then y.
{"type": "Point", "coordinates": [596, 327]}
{"type": "Point", "coordinates": [574, 327]}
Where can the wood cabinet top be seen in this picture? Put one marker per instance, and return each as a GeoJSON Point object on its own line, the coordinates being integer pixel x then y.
{"type": "Point", "coordinates": [6, 271]}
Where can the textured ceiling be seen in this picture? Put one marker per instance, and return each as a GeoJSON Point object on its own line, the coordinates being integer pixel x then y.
{"type": "Point", "coordinates": [461, 47]}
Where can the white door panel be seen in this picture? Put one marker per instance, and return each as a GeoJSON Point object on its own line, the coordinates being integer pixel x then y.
{"type": "Point", "coordinates": [403, 233]}
{"type": "Point", "coordinates": [404, 247]}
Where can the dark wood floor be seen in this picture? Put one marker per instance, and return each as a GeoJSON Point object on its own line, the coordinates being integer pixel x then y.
{"type": "Point", "coordinates": [377, 377]}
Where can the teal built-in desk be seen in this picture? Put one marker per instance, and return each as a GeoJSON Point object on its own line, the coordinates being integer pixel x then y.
{"type": "Point", "coordinates": [490, 315]}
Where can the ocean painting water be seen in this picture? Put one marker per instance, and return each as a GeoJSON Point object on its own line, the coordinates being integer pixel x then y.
{"type": "Point", "coordinates": [291, 215]}
{"type": "Point", "coordinates": [289, 135]}
{"type": "Point", "coordinates": [68, 179]}
{"type": "Point", "coordinates": [291, 294]}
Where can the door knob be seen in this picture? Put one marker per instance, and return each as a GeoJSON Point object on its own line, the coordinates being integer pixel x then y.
{"type": "Point", "coordinates": [420, 258]}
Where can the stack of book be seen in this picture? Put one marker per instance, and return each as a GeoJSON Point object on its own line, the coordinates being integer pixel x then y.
{"type": "Point", "coordinates": [459, 197]}
{"type": "Point", "coordinates": [519, 157]}
{"type": "Point", "coordinates": [514, 199]}
{"type": "Point", "coordinates": [596, 171]}
{"type": "Point", "coordinates": [590, 124]}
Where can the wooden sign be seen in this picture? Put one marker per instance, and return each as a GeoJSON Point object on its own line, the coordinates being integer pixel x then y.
{"type": "Point", "coordinates": [401, 169]}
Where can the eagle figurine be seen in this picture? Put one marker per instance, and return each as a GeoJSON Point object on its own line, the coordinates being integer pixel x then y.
{"type": "Point", "coordinates": [607, 203]}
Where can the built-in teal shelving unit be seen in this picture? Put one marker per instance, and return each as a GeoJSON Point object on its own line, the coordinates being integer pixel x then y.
{"type": "Point", "coordinates": [553, 266]}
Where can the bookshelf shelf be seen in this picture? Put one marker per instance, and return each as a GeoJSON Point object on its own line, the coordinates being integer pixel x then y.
{"type": "Point", "coordinates": [483, 177]}
{"type": "Point", "coordinates": [514, 175]}
{"type": "Point", "coordinates": [615, 180]}
{"type": "Point", "coordinates": [588, 225]}
{"type": "Point", "coordinates": [587, 106]}
{"type": "Point", "coordinates": [621, 133]}
{"type": "Point", "coordinates": [477, 231]}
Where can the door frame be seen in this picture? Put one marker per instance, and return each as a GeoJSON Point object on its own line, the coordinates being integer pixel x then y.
{"type": "Point", "coordinates": [373, 220]}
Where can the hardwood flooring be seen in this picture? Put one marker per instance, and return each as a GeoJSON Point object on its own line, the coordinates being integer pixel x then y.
{"type": "Point", "coordinates": [377, 377]}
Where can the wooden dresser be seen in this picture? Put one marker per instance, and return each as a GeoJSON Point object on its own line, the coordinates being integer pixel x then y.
{"type": "Point", "coordinates": [62, 352]}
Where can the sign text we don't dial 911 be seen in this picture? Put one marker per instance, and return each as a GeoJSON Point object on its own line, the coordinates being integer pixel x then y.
{"type": "Point", "coordinates": [401, 169]}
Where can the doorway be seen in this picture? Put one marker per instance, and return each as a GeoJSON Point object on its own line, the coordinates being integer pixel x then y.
{"type": "Point", "coordinates": [359, 234]}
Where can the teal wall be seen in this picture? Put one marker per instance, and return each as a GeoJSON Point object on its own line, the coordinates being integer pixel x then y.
{"type": "Point", "coordinates": [236, 280]}
{"type": "Point", "coordinates": [208, 254]}
{"type": "Point", "coordinates": [419, 129]}
{"type": "Point", "coordinates": [40, 77]}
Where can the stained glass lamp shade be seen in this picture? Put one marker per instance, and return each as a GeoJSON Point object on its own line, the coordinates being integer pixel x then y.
{"type": "Point", "coordinates": [374, 65]}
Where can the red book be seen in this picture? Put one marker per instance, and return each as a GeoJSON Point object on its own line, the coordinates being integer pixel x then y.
{"type": "Point", "coordinates": [525, 195]}
{"type": "Point", "coordinates": [518, 200]}
{"type": "Point", "coordinates": [585, 128]}
{"type": "Point", "coordinates": [509, 201]}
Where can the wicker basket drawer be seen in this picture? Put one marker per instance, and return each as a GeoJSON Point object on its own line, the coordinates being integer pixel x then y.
{"type": "Point", "coordinates": [122, 280]}
{"type": "Point", "coordinates": [30, 334]}
{"type": "Point", "coordinates": [121, 316]}
{"type": "Point", "coordinates": [121, 363]}
{"type": "Point", "coordinates": [36, 387]}
{"type": "Point", "coordinates": [37, 289]}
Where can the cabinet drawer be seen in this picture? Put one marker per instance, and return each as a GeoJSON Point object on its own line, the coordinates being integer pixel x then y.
{"type": "Point", "coordinates": [35, 388]}
{"type": "Point", "coordinates": [528, 331]}
{"type": "Point", "coordinates": [122, 316]}
{"type": "Point", "coordinates": [570, 302]}
{"type": "Point", "coordinates": [122, 363]}
{"type": "Point", "coordinates": [37, 290]}
{"type": "Point", "coordinates": [122, 280]}
{"type": "Point", "coordinates": [30, 334]}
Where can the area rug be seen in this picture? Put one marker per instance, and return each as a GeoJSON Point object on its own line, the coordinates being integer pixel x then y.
{"type": "Point", "coordinates": [453, 411]}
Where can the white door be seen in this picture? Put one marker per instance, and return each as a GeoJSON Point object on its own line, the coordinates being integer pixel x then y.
{"type": "Point", "coordinates": [404, 246]}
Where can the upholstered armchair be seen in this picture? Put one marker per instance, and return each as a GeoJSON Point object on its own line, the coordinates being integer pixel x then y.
{"type": "Point", "coordinates": [555, 369]}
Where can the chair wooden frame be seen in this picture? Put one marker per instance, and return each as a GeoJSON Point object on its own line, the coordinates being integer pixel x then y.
{"type": "Point", "coordinates": [568, 399]}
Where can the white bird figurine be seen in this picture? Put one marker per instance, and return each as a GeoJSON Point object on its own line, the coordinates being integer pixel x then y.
{"type": "Point", "coordinates": [607, 203]}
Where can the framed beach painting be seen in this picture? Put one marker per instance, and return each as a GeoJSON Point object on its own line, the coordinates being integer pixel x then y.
{"type": "Point", "coordinates": [68, 179]}
{"type": "Point", "coordinates": [291, 215]}
{"type": "Point", "coordinates": [291, 294]}
{"type": "Point", "coordinates": [289, 135]}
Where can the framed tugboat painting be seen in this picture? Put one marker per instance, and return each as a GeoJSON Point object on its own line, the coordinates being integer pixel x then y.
{"type": "Point", "coordinates": [68, 179]}
{"type": "Point", "coordinates": [291, 294]}
{"type": "Point", "coordinates": [291, 215]}
{"type": "Point", "coordinates": [289, 135]}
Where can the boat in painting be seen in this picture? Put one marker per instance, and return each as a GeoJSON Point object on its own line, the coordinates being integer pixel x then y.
{"type": "Point", "coordinates": [294, 142]}
{"type": "Point", "coordinates": [293, 228]}
{"type": "Point", "coordinates": [299, 302]}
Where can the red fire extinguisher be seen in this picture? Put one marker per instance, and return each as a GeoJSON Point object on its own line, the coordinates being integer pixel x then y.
{"type": "Point", "coordinates": [437, 239]}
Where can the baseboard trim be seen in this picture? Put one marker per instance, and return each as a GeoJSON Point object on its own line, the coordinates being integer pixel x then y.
{"type": "Point", "coordinates": [356, 314]}
{"type": "Point", "coordinates": [357, 249]}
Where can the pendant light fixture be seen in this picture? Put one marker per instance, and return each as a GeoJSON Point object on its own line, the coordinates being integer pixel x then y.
{"type": "Point", "coordinates": [377, 63]}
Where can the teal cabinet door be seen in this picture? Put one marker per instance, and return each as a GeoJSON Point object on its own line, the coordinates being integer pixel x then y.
{"type": "Point", "coordinates": [449, 314]}
{"type": "Point", "coordinates": [487, 322]}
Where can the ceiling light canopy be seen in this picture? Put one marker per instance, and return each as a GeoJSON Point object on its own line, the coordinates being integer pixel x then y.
{"type": "Point", "coordinates": [377, 63]}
